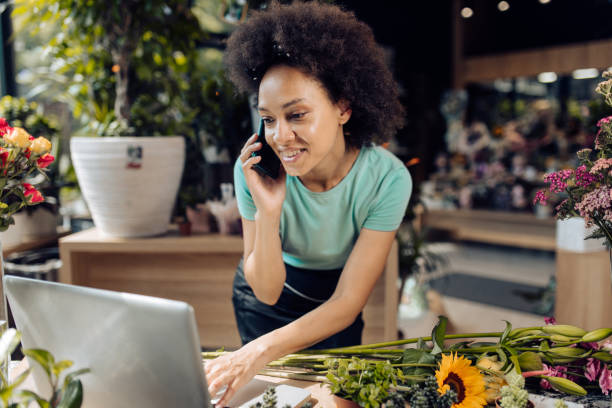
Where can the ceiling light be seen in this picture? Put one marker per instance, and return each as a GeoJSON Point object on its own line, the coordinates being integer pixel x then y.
{"type": "Point", "coordinates": [503, 5]}
{"type": "Point", "coordinates": [544, 1]}
{"type": "Point", "coordinates": [547, 77]}
{"type": "Point", "coordinates": [466, 12]}
{"type": "Point", "coordinates": [585, 73]}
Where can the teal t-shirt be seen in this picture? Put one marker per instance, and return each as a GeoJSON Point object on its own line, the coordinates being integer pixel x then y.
{"type": "Point", "coordinates": [319, 229]}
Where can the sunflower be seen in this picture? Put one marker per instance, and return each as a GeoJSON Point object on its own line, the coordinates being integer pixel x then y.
{"type": "Point", "coordinates": [457, 373]}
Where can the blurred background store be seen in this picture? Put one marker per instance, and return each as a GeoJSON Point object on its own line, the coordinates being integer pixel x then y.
{"type": "Point", "coordinates": [497, 94]}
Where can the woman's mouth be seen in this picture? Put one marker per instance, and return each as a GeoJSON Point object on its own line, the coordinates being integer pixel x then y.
{"type": "Point", "coordinates": [291, 155]}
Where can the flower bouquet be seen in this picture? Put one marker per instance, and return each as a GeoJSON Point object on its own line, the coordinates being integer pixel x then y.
{"type": "Point", "coordinates": [466, 374]}
{"type": "Point", "coordinates": [588, 188]}
{"type": "Point", "coordinates": [22, 157]}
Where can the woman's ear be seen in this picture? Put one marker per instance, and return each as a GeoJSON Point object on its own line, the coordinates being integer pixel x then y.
{"type": "Point", "coordinates": [345, 111]}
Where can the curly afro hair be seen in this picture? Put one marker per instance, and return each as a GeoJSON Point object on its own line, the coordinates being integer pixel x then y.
{"type": "Point", "coordinates": [332, 46]}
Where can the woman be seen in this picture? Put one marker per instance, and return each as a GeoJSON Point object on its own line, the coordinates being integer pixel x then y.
{"type": "Point", "coordinates": [317, 237]}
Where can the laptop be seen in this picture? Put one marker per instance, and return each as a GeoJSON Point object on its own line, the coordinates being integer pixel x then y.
{"type": "Point", "coordinates": [142, 351]}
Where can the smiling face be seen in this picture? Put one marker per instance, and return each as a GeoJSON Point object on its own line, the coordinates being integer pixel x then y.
{"type": "Point", "coordinates": [303, 125]}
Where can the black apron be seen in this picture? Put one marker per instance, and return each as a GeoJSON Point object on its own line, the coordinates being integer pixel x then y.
{"type": "Point", "coordinates": [304, 290]}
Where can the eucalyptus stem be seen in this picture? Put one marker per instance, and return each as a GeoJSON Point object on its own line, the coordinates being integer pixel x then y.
{"type": "Point", "coordinates": [293, 376]}
{"type": "Point", "coordinates": [411, 341]}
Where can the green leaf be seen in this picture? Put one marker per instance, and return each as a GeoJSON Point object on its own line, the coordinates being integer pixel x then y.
{"type": "Point", "coordinates": [27, 396]}
{"type": "Point", "coordinates": [459, 345]}
{"type": "Point", "coordinates": [515, 362]}
{"type": "Point", "coordinates": [42, 357]}
{"type": "Point", "coordinates": [73, 396]}
{"type": "Point", "coordinates": [438, 334]}
{"type": "Point", "coordinates": [6, 392]}
{"type": "Point", "coordinates": [8, 342]}
{"type": "Point", "coordinates": [416, 356]}
{"type": "Point", "coordinates": [502, 357]}
{"type": "Point", "coordinates": [504, 336]}
{"type": "Point", "coordinates": [70, 377]}
{"type": "Point", "coordinates": [61, 366]}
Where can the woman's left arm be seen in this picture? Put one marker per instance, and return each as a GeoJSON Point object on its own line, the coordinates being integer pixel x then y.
{"type": "Point", "coordinates": [362, 270]}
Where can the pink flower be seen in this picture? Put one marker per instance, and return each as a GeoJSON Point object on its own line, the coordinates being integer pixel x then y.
{"type": "Point", "coordinates": [553, 371]}
{"type": "Point", "coordinates": [550, 320]}
{"type": "Point", "coordinates": [585, 178]}
{"type": "Point", "coordinates": [540, 198]}
{"type": "Point", "coordinates": [604, 121]}
{"type": "Point", "coordinates": [598, 200]}
{"type": "Point", "coordinates": [556, 180]}
{"type": "Point", "coordinates": [605, 380]}
{"type": "Point", "coordinates": [607, 345]}
{"type": "Point", "coordinates": [600, 164]}
{"type": "Point", "coordinates": [593, 369]}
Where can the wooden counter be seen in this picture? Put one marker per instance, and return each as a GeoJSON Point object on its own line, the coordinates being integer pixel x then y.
{"type": "Point", "coordinates": [494, 227]}
{"type": "Point", "coordinates": [199, 270]}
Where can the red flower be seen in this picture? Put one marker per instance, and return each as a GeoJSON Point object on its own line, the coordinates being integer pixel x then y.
{"type": "Point", "coordinates": [32, 194]}
{"type": "Point", "coordinates": [4, 155]}
{"type": "Point", "coordinates": [4, 127]}
{"type": "Point", "coordinates": [45, 160]}
{"type": "Point", "coordinates": [28, 153]}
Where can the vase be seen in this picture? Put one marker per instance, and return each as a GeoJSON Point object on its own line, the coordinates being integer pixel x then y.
{"type": "Point", "coordinates": [129, 183]}
{"type": "Point", "coordinates": [344, 403]}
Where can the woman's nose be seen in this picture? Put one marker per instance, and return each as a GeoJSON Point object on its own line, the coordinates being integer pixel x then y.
{"type": "Point", "coordinates": [283, 134]}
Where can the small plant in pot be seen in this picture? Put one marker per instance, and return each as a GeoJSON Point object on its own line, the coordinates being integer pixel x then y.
{"type": "Point", "coordinates": [131, 69]}
{"type": "Point", "coordinates": [39, 220]}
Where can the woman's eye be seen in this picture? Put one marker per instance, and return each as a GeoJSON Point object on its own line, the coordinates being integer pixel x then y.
{"type": "Point", "coordinates": [268, 121]}
{"type": "Point", "coordinates": [299, 115]}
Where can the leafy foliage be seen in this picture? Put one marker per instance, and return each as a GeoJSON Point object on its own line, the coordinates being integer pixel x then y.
{"type": "Point", "coordinates": [364, 382]}
{"type": "Point", "coordinates": [67, 393]}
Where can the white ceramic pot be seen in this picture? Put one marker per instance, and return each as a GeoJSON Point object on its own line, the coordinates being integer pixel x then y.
{"type": "Point", "coordinates": [129, 183]}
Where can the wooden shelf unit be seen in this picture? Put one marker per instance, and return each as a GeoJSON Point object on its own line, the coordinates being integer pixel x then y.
{"type": "Point", "coordinates": [199, 270]}
{"type": "Point", "coordinates": [494, 227]}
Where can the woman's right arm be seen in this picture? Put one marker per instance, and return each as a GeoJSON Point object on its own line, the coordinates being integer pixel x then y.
{"type": "Point", "coordinates": [264, 268]}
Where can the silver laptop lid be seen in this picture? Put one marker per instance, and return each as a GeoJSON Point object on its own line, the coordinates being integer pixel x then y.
{"type": "Point", "coordinates": [142, 351]}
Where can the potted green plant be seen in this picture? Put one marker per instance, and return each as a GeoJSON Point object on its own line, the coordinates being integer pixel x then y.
{"type": "Point", "coordinates": [130, 69]}
{"type": "Point", "coordinates": [67, 390]}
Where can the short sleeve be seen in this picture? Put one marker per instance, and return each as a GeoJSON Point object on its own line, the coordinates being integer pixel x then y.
{"type": "Point", "coordinates": [246, 206]}
{"type": "Point", "coordinates": [389, 205]}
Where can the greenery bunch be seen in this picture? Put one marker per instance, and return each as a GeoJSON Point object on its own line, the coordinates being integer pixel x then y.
{"type": "Point", "coordinates": [376, 374]}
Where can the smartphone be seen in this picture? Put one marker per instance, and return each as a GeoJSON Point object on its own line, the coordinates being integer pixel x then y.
{"type": "Point", "coordinates": [269, 165]}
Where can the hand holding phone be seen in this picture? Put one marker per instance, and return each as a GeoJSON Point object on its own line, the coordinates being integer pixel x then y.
{"type": "Point", "coordinates": [269, 165]}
